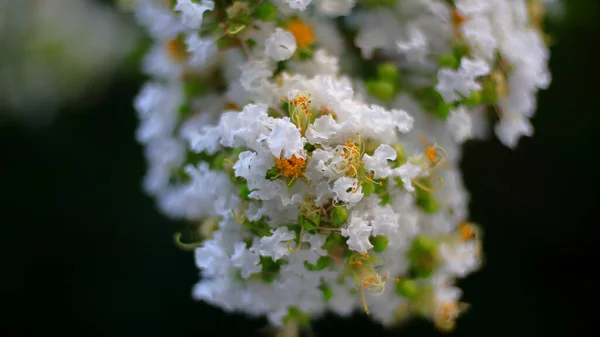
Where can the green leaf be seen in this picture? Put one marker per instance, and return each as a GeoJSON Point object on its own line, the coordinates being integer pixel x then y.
{"type": "Point", "coordinates": [272, 173]}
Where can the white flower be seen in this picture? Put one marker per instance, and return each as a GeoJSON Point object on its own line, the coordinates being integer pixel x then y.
{"type": "Point", "coordinates": [378, 163]}
{"type": "Point", "coordinates": [347, 190]}
{"type": "Point", "coordinates": [385, 221]}
{"type": "Point", "coordinates": [245, 259]}
{"type": "Point", "coordinates": [285, 139]}
{"type": "Point", "coordinates": [335, 7]}
{"type": "Point", "coordinates": [416, 48]}
{"type": "Point", "coordinates": [203, 50]}
{"type": "Point", "coordinates": [275, 245]}
{"type": "Point", "coordinates": [462, 80]}
{"type": "Point", "coordinates": [358, 232]}
{"type": "Point", "coordinates": [510, 129]}
{"type": "Point", "coordinates": [407, 172]}
{"type": "Point", "coordinates": [192, 12]}
{"type": "Point", "coordinates": [298, 4]}
{"type": "Point", "coordinates": [281, 45]}
{"type": "Point", "coordinates": [460, 124]}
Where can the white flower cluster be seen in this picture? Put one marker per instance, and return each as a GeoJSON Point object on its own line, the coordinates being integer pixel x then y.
{"type": "Point", "coordinates": [316, 144]}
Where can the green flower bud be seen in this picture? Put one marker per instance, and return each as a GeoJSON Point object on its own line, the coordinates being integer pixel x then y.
{"type": "Point", "coordinates": [407, 288]}
{"type": "Point", "coordinates": [266, 11]}
{"type": "Point", "coordinates": [387, 72]}
{"type": "Point", "coordinates": [193, 88]}
{"type": "Point", "coordinates": [339, 215]}
{"type": "Point", "coordinates": [473, 100]}
{"type": "Point", "coordinates": [380, 243]}
{"type": "Point", "coordinates": [448, 61]}
{"type": "Point", "coordinates": [368, 187]}
{"type": "Point", "coordinates": [426, 200]}
{"type": "Point", "coordinates": [423, 244]}
{"type": "Point", "coordinates": [461, 50]}
{"type": "Point", "coordinates": [383, 90]}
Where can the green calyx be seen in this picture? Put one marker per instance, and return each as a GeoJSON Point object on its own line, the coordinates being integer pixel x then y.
{"type": "Point", "coordinates": [339, 216]}
{"type": "Point", "coordinates": [379, 243]}
{"type": "Point", "coordinates": [423, 257]}
{"type": "Point", "coordinates": [433, 102]}
{"type": "Point", "coordinates": [266, 11]}
{"type": "Point", "coordinates": [424, 199]}
{"type": "Point", "coordinates": [407, 288]}
{"type": "Point", "coordinates": [382, 90]}
{"type": "Point", "coordinates": [388, 72]}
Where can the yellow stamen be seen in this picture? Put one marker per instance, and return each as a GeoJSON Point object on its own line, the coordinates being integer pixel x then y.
{"type": "Point", "coordinates": [302, 32]}
{"type": "Point", "coordinates": [176, 50]}
{"type": "Point", "coordinates": [458, 19]}
{"type": "Point", "coordinates": [291, 168]}
{"type": "Point", "coordinates": [466, 230]}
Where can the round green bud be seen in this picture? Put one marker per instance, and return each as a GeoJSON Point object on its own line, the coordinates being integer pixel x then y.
{"type": "Point", "coordinates": [193, 88]}
{"type": "Point", "coordinates": [448, 61]}
{"type": "Point", "coordinates": [423, 244]}
{"type": "Point", "coordinates": [387, 72]}
{"type": "Point", "coordinates": [407, 288]}
{"type": "Point", "coordinates": [461, 50]}
{"type": "Point", "coordinates": [368, 188]}
{"type": "Point", "coordinates": [382, 90]}
{"type": "Point", "coordinates": [380, 243]}
{"type": "Point", "coordinates": [339, 215]}
{"type": "Point", "coordinates": [428, 204]}
{"type": "Point", "coordinates": [473, 100]}
{"type": "Point", "coordinates": [266, 11]}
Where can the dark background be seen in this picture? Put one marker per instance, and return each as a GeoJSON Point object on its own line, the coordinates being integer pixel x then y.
{"type": "Point", "coordinates": [84, 251]}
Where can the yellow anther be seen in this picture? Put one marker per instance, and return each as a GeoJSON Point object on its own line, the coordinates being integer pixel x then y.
{"type": "Point", "coordinates": [291, 168]}
{"type": "Point", "coordinates": [302, 32]}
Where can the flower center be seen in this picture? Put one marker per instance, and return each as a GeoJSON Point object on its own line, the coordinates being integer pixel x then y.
{"type": "Point", "coordinates": [291, 168]}
{"type": "Point", "coordinates": [302, 32]}
{"type": "Point", "coordinates": [176, 50]}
